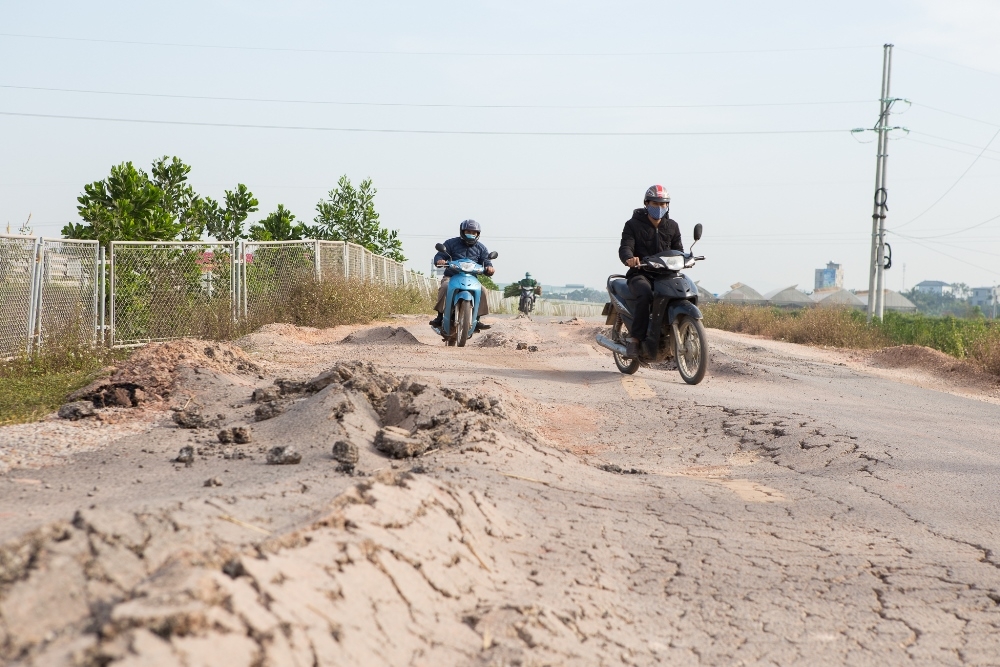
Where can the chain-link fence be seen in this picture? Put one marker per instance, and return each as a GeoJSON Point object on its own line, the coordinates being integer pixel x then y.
{"type": "Point", "coordinates": [271, 270]}
{"type": "Point", "coordinates": [17, 292]}
{"type": "Point", "coordinates": [169, 290]}
{"type": "Point", "coordinates": [48, 288]}
{"type": "Point", "coordinates": [151, 291]}
{"type": "Point", "coordinates": [70, 285]}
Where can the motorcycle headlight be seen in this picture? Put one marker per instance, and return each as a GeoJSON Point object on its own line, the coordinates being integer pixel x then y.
{"type": "Point", "coordinates": [675, 263]}
{"type": "Point", "coordinates": [468, 267]}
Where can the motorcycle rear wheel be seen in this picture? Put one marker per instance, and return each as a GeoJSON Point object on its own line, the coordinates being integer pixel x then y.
{"type": "Point", "coordinates": [464, 322]}
{"type": "Point", "coordinates": [618, 334]}
{"type": "Point", "coordinates": [691, 349]}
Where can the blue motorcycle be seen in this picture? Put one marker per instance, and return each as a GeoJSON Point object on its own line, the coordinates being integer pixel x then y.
{"type": "Point", "coordinates": [461, 305]}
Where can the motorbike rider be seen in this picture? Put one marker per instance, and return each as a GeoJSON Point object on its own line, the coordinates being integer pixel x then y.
{"type": "Point", "coordinates": [464, 246]}
{"type": "Point", "coordinates": [528, 281]}
{"type": "Point", "coordinates": [649, 231]}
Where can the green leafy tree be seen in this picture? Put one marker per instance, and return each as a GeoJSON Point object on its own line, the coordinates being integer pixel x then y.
{"type": "Point", "coordinates": [348, 214]}
{"type": "Point", "coordinates": [131, 205]}
{"type": "Point", "coordinates": [279, 225]}
{"type": "Point", "coordinates": [126, 206]}
{"type": "Point", "coordinates": [226, 224]}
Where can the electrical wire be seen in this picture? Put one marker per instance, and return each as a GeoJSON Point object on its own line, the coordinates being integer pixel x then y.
{"type": "Point", "coordinates": [941, 236]}
{"type": "Point", "coordinates": [401, 131]}
{"type": "Point", "coordinates": [950, 62]}
{"type": "Point", "coordinates": [938, 200]}
{"type": "Point", "coordinates": [952, 113]}
{"type": "Point", "coordinates": [432, 105]}
{"type": "Point", "coordinates": [946, 148]}
{"type": "Point", "coordinates": [954, 141]}
{"type": "Point", "coordinates": [430, 53]}
{"type": "Point", "coordinates": [941, 252]}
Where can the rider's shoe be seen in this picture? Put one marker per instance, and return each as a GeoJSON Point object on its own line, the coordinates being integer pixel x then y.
{"type": "Point", "coordinates": [631, 349]}
{"type": "Point", "coordinates": [480, 326]}
{"type": "Point", "coordinates": [437, 321]}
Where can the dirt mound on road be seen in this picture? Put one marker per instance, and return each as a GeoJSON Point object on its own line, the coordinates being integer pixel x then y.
{"type": "Point", "coordinates": [382, 335]}
{"type": "Point", "coordinates": [150, 373]}
{"type": "Point", "coordinates": [917, 356]}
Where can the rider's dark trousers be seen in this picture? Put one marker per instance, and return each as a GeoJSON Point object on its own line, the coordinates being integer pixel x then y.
{"type": "Point", "coordinates": [642, 289]}
{"type": "Point", "coordinates": [484, 307]}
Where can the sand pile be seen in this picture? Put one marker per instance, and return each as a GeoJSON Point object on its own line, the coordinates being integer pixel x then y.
{"type": "Point", "coordinates": [382, 335]}
{"type": "Point", "coordinates": [150, 373]}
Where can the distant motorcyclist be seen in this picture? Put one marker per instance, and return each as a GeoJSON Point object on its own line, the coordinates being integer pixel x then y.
{"type": "Point", "coordinates": [529, 287]}
{"type": "Point", "coordinates": [648, 232]}
{"type": "Point", "coordinates": [528, 281]}
{"type": "Point", "coordinates": [464, 246]}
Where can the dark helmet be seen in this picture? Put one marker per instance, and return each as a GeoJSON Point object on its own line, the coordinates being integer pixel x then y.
{"type": "Point", "coordinates": [469, 228]}
{"type": "Point", "coordinates": [657, 194]}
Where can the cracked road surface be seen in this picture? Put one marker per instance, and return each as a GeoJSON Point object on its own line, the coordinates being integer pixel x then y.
{"type": "Point", "coordinates": [796, 508]}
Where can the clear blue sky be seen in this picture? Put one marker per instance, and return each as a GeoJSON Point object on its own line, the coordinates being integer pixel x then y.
{"type": "Point", "coordinates": [774, 206]}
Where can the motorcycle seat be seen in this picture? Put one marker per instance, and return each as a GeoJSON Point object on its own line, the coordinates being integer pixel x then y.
{"type": "Point", "coordinates": [620, 287]}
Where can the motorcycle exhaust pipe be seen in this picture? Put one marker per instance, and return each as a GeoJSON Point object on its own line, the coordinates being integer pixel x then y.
{"type": "Point", "coordinates": [604, 341]}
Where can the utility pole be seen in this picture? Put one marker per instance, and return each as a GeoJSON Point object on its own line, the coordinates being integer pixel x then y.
{"type": "Point", "coordinates": [876, 278]}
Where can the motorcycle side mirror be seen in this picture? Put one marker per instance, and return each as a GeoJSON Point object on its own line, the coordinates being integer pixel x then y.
{"type": "Point", "coordinates": [440, 248]}
{"type": "Point", "coordinates": [697, 231]}
{"type": "Point", "coordinates": [493, 255]}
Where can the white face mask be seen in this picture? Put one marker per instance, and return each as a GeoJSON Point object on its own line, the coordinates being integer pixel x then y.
{"type": "Point", "coordinates": [656, 212]}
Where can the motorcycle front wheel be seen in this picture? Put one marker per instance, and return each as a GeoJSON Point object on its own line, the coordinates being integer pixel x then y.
{"type": "Point", "coordinates": [464, 322]}
{"type": "Point", "coordinates": [618, 334]}
{"type": "Point", "coordinates": [692, 349]}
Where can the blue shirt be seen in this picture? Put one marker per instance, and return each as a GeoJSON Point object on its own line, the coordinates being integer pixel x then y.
{"type": "Point", "coordinates": [458, 250]}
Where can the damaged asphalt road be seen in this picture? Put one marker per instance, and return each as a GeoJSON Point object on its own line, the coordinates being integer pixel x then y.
{"type": "Point", "coordinates": [491, 506]}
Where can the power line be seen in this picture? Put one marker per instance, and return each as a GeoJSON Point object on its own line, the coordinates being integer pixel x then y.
{"type": "Point", "coordinates": [954, 141]}
{"type": "Point", "coordinates": [947, 148]}
{"type": "Point", "coordinates": [950, 62]}
{"type": "Point", "coordinates": [967, 169]}
{"type": "Point", "coordinates": [432, 105]}
{"type": "Point", "coordinates": [941, 236]}
{"type": "Point", "coordinates": [431, 53]}
{"type": "Point", "coordinates": [941, 252]}
{"type": "Point", "coordinates": [401, 131]}
{"type": "Point", "coordinates": [952, 113]}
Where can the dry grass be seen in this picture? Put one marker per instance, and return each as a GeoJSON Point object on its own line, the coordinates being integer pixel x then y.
{"type": "Point", "coordinates": [837, 327]}
{"type": "Point", "coordinates": [330, 303]}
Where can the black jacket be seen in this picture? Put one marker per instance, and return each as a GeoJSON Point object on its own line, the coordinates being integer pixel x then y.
{"type": "Point", "coordinates": [640, 239]}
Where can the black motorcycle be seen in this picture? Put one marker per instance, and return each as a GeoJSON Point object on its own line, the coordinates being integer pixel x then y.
{"type": "Point", "coordinates": [675, 327]}
{"type": "Point", "coordinates": [527, 302]}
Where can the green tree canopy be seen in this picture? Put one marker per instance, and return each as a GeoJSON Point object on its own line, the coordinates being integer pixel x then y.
{"type": "Point", "coordinates": [126, 206]}
{"type": "Point", "coordinates": [129, 205]}
{"type": "Point", "coordinates": [278, 226]}
{"type": "Point", "coordinates": [348, 214]}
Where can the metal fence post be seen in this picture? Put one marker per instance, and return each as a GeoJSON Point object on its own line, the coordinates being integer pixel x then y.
{"type": "Point", "coordinates": [111, 293]}
{"type": "Point", "coordinates": [102, 286]}
{"type": "Point", "coordinates": [95, 278]}
{"type": "Point", "coordinates": [319, 263]}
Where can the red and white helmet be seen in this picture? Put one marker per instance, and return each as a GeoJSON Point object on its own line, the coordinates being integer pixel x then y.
{"type": "Point", "coordinates": [657, 194]}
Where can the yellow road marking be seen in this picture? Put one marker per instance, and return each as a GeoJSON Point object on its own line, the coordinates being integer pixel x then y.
{"type": "Point", "coordinates": [637, 387]}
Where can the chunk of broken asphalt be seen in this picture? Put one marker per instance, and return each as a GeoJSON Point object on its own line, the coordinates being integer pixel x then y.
{"type": "Point", "coordinates": [190, 418]}
{"type": "Point", "coordinates": [268, 411]}
{"type": "Point", "coordinates": [397, 443]}
{"type": "Point", "coordinates": [345, 451]}
{"type": "Point", "coordinates": [185, 456]}
{"type": "Point", "coordinates": [77, 410]}
{"type": "Point", "coordinates": [238, 434]}
{"type": "Point", "coordinates": [532, 348]}
{"type": "Point", "coordinates": [285, 455]}
{"type": "Point", "coordinates": [265, 394]}
{"type": "Point", "coordinates": [241, 434]}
